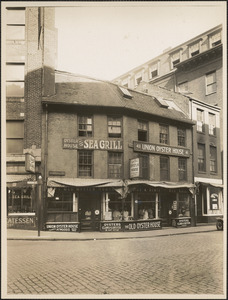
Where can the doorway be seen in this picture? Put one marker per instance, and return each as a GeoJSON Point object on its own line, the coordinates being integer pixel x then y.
{"type": "Point", "coordinates": [167, 200]}
{"type": "Point", "coordinates": [89, 210]}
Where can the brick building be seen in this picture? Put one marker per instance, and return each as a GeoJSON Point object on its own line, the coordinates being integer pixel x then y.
{"type": "Point", "coordinates": [207, 161]}
{"type": "Point", "coordinates": [193, 68]}
{"type": "Point", "coordinates": [116, 159]}
{"type": "Point", "coordinates": [110, 158]}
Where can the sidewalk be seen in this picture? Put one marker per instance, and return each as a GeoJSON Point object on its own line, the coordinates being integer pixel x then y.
{"type": "Point", "coordinates": [17, 234]}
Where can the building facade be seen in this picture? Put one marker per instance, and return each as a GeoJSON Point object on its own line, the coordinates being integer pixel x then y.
{"type": "Point", "coordinates": [193, 68]}
{"type": "Point", "coordinates": [116, 160]}
{"type": "Point", "coordinates": [207, 161]}
{"type": "Point", "coordinates": [30, 59]}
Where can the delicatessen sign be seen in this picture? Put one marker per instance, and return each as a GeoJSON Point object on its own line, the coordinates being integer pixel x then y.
{"type": "Point", "coordinates": [92, 144]}
{"type": "Point", "coordinates": [160, 149]}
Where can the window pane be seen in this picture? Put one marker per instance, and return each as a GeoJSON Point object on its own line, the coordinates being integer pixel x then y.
{"type": "Point", "coordinates": [15, 72]}
{"type": "Point", "coordinates": [15, 32]}
{"type": "Point", "coordinates": [15, 16]}
{"type": "Point", "coordinates": [164, 168]}
{"type": "Point", "coordinates": [211, 88]}
{"type": "Point", "coordinates": [15, 89]}
{"type": "Point", "coordinates": [14, 129]}
{"type": "Point", "coordinates": [14, 146]}
{"type": "Point", "coordinates": [210, 78]}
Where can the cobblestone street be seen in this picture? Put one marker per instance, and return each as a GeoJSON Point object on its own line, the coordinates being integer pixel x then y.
{"type": "Point", "coordinates": [184, 264]}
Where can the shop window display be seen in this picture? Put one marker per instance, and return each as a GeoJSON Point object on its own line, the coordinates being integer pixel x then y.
{"type": "Point", "coordinates": [146, 206]}
{"type": "Point", "coordinates": [183, 206]}
{"type": "Point", "coordinates": [119, 211]}
{"type": "Point", "coordinates": [20, 201]}
{"type": "Point", "coordinates": [62, 201]}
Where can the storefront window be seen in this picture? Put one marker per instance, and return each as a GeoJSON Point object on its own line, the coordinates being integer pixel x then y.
{"type": "Point", "coordinates": [183, 205]}
{"type": "Point", "coordinates": [20, 200]}
{"type": "Point", "coordinates": [146, 206]}
{"type": "Point", "coordinates": [61, 201]}
{"type": "Point", "coordinates": [120, 211]}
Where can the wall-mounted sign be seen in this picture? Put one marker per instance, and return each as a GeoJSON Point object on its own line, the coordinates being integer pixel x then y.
{"type": "Point", "coordinates": [30, 163]}
{"type": "Point", "coordinates": [160, 149]}
{"type": "Point", "coordinates": [135, 167]}
{"type": "Point", "coordinates": [92, 144]}
{"type": "Point", "coordinates": [56, 173]}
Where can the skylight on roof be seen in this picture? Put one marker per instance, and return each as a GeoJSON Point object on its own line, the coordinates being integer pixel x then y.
{"type": "Point", "coordinates": [162, 102]}
{"type": "Point", "coordinates": [125, 92]}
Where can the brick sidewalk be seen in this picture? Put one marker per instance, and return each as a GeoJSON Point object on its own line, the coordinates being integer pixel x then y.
{"type": "Point", "coordinates": [17, 234]}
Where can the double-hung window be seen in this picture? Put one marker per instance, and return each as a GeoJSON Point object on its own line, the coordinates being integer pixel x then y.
{"type": "Point", "coordinates": [212, 124]}
{"type": "Point", "coordinates": [213, 159]}
{"type": "Point", "coordinates": [194, 49]}
{"type": "Point", "coordinates": [164, 134]}
{"type": "Point", "coordinates": [215, 39]}
{"type": "Point", "coordinates": [154, 70]}
{"type": "Point", "coordinates": [85, 126]}
{"type": "Point", "coordinates": [115, 162]}
{"type": "Point", "coordinates": [85, 163]}
{"type": "Point", "coordinates": [164, 168]}
{"type": "Point", "coordinates": [200, 120]}
{"type": "Point", "coordinates": [114, 127]}
{"type": "Point", "coordinates": [14, 137]}
{"type": "Point", "coordinates": [15, 79]}
{"type": "Point", "coordinates": [201, 158]}
{"type": "Point", "coordinates": [211, 83]}
{"type": "Point", "coordinates": [175, 59]}
{"type": "Point", "coordinates": [142, 131]}
{"type": "Point", "coordinates": [181, 137]}
{"type": "Point", "coordinates": [182, 168]}
{"type": "Point", "coordinates": [15, 28]}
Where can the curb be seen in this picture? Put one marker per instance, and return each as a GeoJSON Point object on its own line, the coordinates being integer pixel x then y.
{"type": "Point", "coordinates": [105, 238]}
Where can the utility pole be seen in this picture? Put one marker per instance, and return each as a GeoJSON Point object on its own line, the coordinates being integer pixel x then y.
{"type": "Point", "coordinates": [39, 195]}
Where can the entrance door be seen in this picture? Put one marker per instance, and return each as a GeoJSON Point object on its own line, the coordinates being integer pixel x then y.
{"type": "Point", "coordinates": [89, 210]}
{"type": "Point", "coordinates": [167, 211]}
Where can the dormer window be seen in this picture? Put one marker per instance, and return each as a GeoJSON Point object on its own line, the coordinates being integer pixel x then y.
{"type": "Point", "coordinates": [215, 39]}
{"type": "Point", "coordinates": [194, 49]}
{"type": "Point", "coordinates": [154, 70]}
{"type": "Point", "coordinates": [138, 78]}
{"type": "Point", "coordinates": [175, 58]}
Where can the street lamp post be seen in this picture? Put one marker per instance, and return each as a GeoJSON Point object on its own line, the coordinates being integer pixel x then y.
{"type": "Point", "coordinates": [39, 186]}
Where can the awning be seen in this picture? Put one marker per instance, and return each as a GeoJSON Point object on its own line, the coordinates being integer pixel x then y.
{"type": "Point", "coordinates": [20, 178]}
{"type": "Point", "coordinates": [81, 182]}
{"type": "Point", "coordinates": [209, 184]}
{"type": "Point", "coordinates": [162, 184]}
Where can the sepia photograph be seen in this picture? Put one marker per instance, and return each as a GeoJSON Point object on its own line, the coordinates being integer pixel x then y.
{"type": "Point", "coordinates": [114, 150]}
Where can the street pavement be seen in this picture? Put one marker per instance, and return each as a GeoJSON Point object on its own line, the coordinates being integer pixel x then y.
{"type": "Point", "coordinates": [16, 234]}
{"type": "Point", "coordinates": [179, 265]}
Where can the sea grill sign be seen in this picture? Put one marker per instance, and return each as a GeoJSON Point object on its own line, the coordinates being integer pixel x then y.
{"type": "Point", "coordinates": [92, 144]}
{"type": "Point", "coordinates": [160, 149]}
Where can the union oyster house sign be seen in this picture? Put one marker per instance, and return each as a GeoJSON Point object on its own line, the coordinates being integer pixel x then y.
{"type": "Point", "coordinates": [92, 144]}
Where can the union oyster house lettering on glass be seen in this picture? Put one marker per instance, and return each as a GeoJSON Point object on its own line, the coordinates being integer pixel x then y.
{"type": "Point", "coordinates": [91, 144]}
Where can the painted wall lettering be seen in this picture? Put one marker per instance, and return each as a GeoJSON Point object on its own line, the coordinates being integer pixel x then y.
{"type": "Point", "coordinates": [91, 144]}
